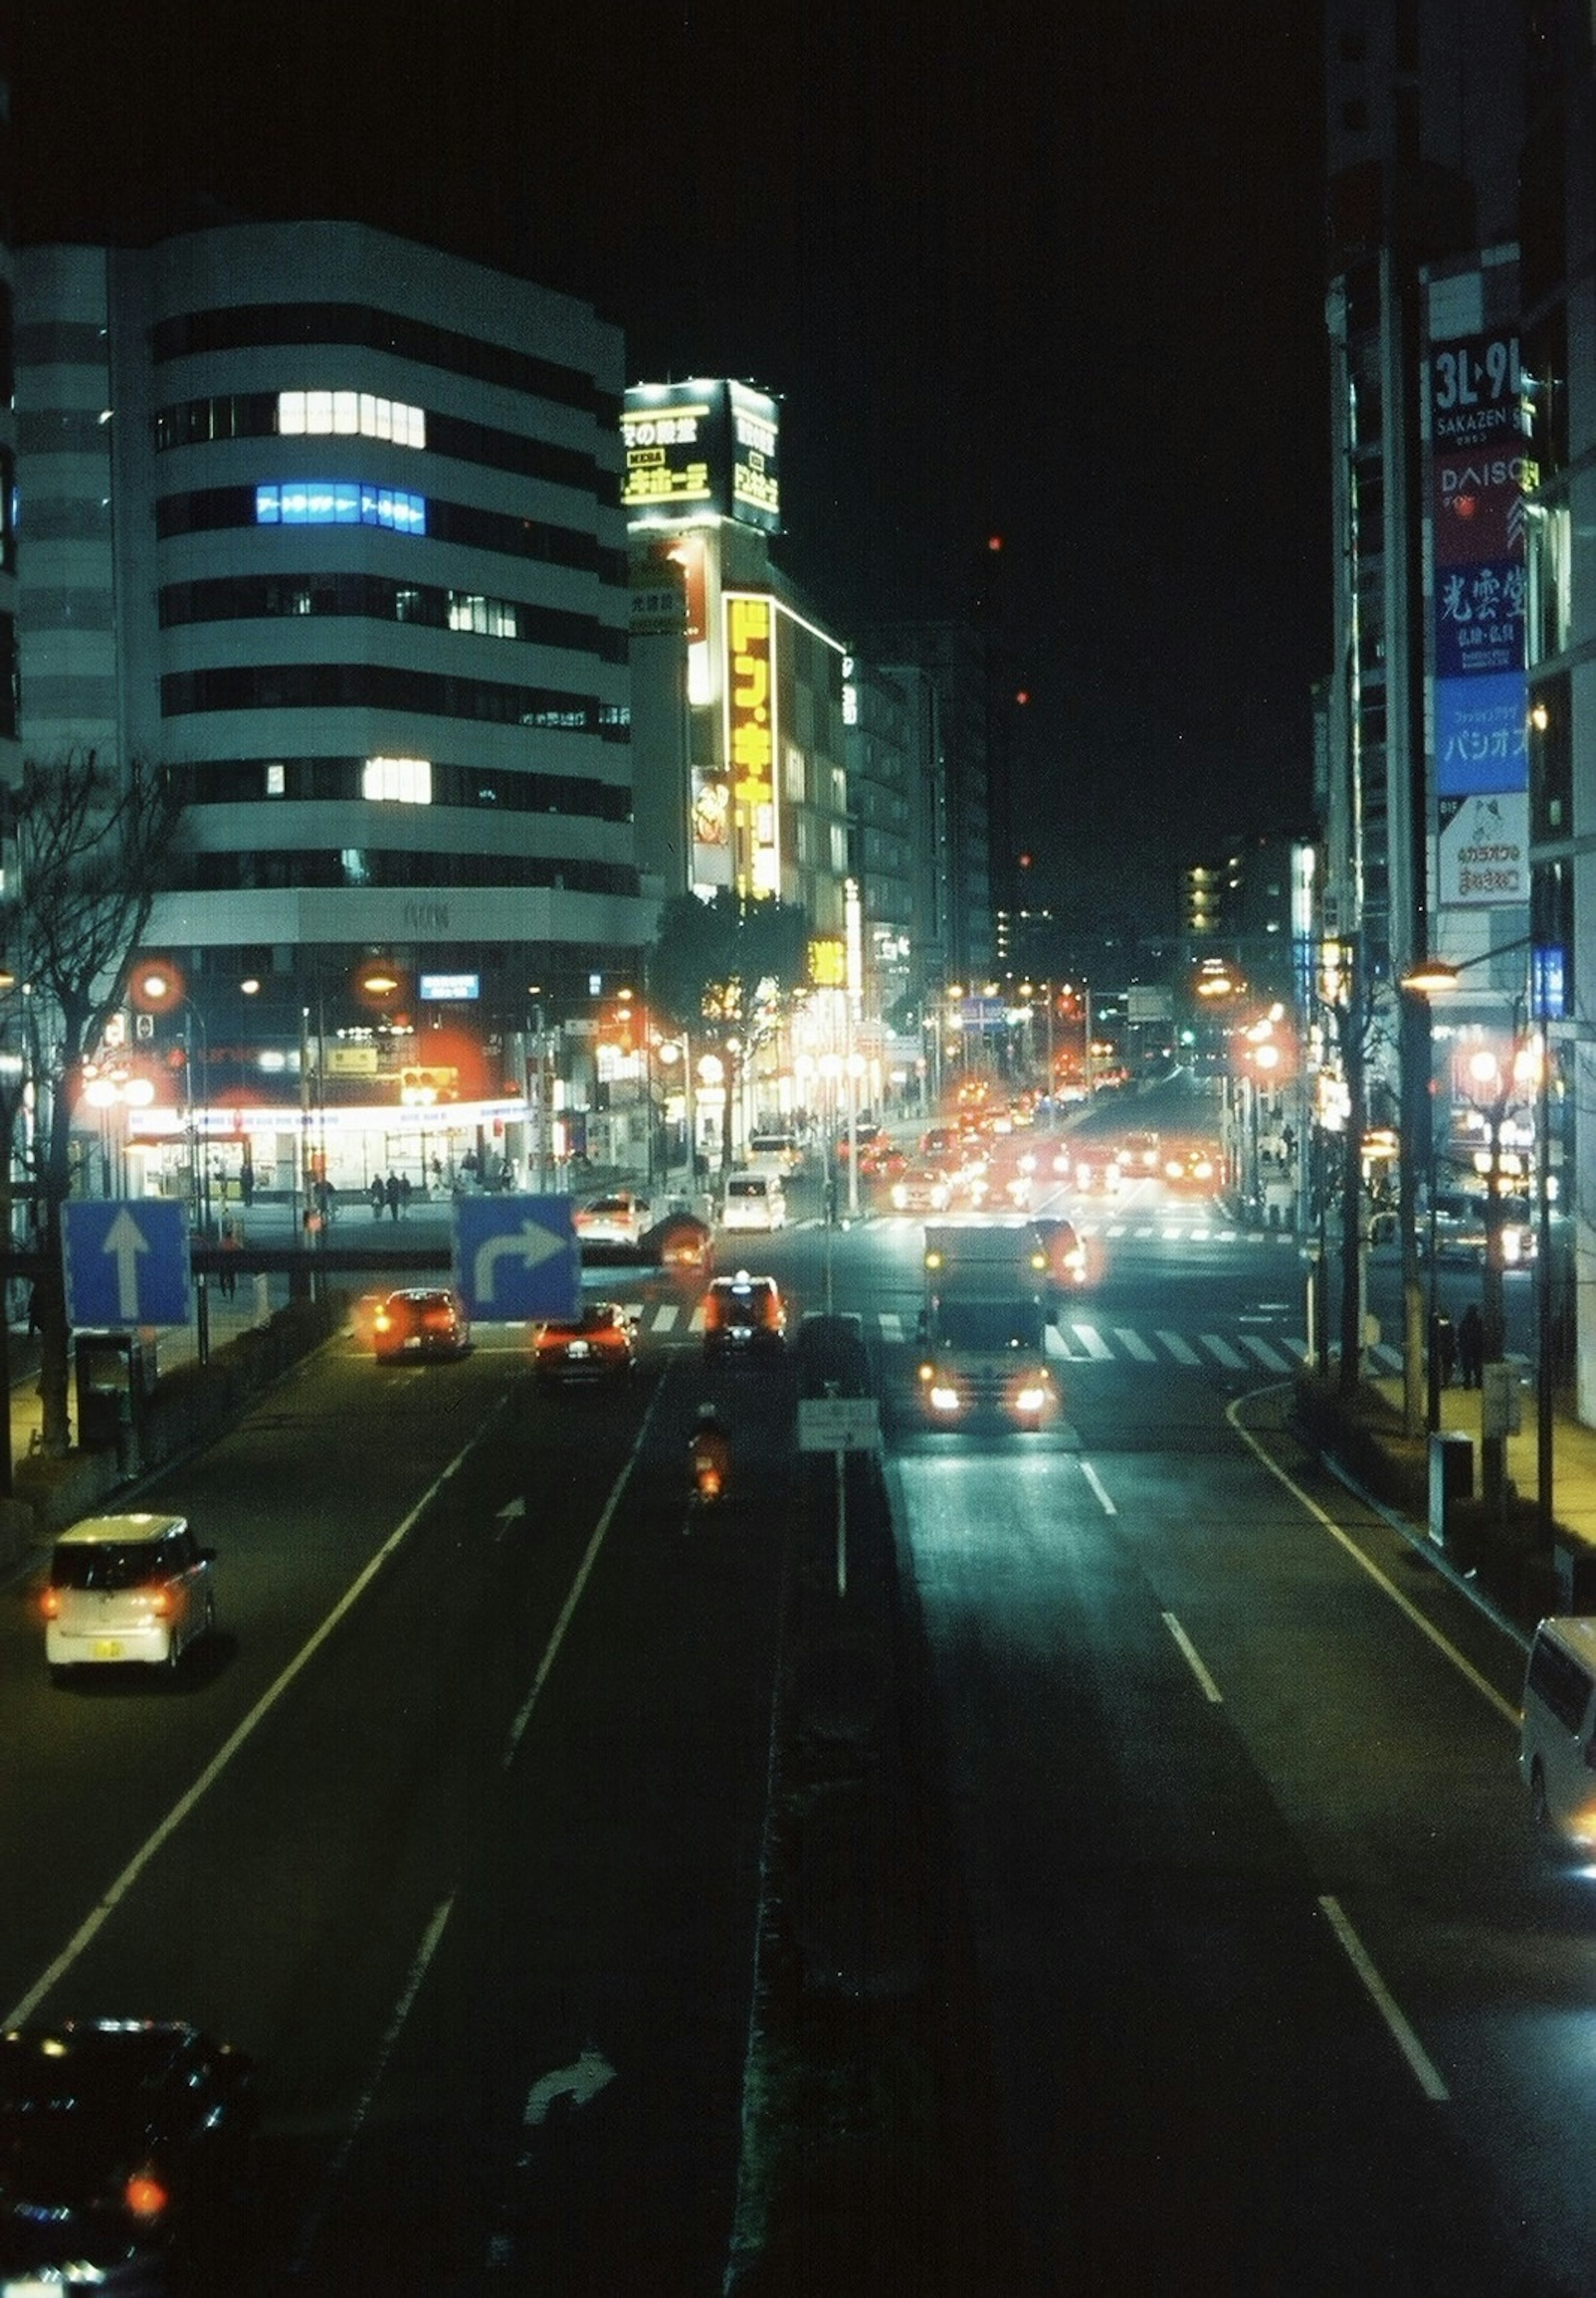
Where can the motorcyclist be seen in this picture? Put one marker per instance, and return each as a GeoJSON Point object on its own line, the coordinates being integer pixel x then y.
{"type": "Point", "coordinates": [709, 1454]}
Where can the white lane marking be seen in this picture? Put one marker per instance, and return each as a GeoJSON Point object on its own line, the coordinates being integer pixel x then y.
{"type": "Point", "coordinates": [694, 1323]}
{"type": "Point", "coordinates": [1418, 2058]}
{"type": "Point", "coordinates": [1054, 1345]}
{"type": "Point", "coordinates": [892, 1324]}
{"type": "Point", "coordinates": [1117, 1230]}
{"type": "Point", "coordinates": [665, 1316]}
{"type": "Point", "coordinates": [1266, 1357]}
{"type": "Point", "coordinates": [1144, 1232]}
{"type": "Point", "coordinates": [1095, 1482]}
{"type": "Point", "coordinates": [312, 2226]}
{"type": "Point", "coordinates": [1299, 1349]}
{"type": "Point", "coordinates": [583, 2079]}
{"type": "Point", "coordinates": [1199, 1236]}
{"type": "Point", "coordinates": [1222, 1353]}
{"type": "Point", "coordinates": [1404, 1604]}
{"type": "Point", "coordinates": [1181, 1350]}
{"type": "Point", "coordinates": [1092, 1341]}
{"type": "Point", "coordinates": [1135, 1346]}
{"type": "Point", "coordinates": [568, 1610]}
{"type": "Point", "coordinates": [218, 1763]}
{"type": "Point", "coordinates": [1188, 1652]}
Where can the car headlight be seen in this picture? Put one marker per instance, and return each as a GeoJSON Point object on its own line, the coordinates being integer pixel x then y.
{"type": "Point", "coordinates": [900, 1196]}
{"type": "Point", "coordinates": [943, 1398]}
{"type": "Point", "coordinates": [1029, 1399]}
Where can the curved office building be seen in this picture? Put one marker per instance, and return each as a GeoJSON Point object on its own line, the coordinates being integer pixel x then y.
{"type": "Point", "coordinates": [328, 523]}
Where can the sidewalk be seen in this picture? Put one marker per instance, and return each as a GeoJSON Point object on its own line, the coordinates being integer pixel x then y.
{"type": "Point", "coordinates": [1573, 1460]}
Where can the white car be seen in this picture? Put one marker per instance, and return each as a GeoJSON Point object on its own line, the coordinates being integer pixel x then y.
{"type": "Point", "coordinates": [619, 1217]}
{"type": "Point", "coordinates": [127, 1588]}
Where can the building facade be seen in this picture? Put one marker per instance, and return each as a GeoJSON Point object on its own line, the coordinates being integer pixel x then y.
{"type": "Point", "coordinates": [328, 525]}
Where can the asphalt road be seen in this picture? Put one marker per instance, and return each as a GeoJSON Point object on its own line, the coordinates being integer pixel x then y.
{"type": "Point", "coordinates": [458, 1824]}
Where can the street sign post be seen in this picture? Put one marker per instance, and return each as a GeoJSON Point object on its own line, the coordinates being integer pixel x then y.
{"type": "Point", "coordinates": [839, 1425]}
{"type": "Point", "coordinates": [515, 1259]}
{"type": "Point", "coordinates": [126, 1261]}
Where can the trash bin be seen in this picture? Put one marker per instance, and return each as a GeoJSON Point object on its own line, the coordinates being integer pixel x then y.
{"type": "Point", "coordinates": [1451, 1478]}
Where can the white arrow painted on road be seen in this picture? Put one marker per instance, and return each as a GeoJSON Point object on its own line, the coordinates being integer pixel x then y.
{"type": "Point", "coordinates": [531, 1245]}
{"type": "Point", "coordinates": [125, 1240]}
{"type": "Point", "coordinates": [584, 2079]}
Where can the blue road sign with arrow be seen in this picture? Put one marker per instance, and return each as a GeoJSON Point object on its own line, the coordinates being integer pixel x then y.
{"type": "Point", "coordinates": [126, 1261]}
{"type": "Point", "coordinates": [516, 1258]}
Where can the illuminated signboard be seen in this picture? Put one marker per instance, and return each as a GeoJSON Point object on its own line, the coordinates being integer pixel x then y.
{"type": "Point", "coordinates": [751, 736]}
{"type": "Point", "coordinates": [698, 446]}
{"type": "Point", "coordinates": [756, 487]}
{"type": "Point", "coordinates": [1478, 475]}
{"type": "Point", "coordinates": [450, 988]}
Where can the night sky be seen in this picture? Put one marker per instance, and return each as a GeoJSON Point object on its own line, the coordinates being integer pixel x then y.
{"type": "Point", "coordinates": [1051, 274]}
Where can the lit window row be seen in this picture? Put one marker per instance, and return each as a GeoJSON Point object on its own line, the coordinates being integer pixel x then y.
{"type": "Point", "coordinates": [350, 414]}
{"type": "Point", "coordinates": [339, 502]}
{"type": "Point", "coordinates": [401, 781]}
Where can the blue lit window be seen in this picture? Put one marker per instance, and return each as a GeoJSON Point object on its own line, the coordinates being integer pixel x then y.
{"type": "Point", "coordinates": [339, 502]}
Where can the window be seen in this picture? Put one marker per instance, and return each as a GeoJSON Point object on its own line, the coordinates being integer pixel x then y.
{"type": "Point", "coordinates": [349, 414]}
{"type": "Point", "coordinates": [339, 502]}
{"type": "Point", "coordinates": [403, 781]}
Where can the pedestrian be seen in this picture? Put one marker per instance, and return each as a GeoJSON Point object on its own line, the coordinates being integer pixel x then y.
{"type": "Point", "coordinates": [1446, 1349]}
{"type": "Point", "coordinates": [1471, 1346]}
{"type": "Point", "coordinates": [36, 1321]}
{"type": "Point", "coordinates": [404, 1194]}
{"type": "Point", "coordinates": [391, 1193]}
{"type": "Point", "coordinates": [378, 1196]}
{"type": "Point", "coordinates": [228, 1281]}
{"type": "Point", "coordinates": [246, 1180]}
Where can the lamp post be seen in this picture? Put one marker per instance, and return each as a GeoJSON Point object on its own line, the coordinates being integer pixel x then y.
{"type": "Point", "coordinates": [157, 988]}
{"type": "Point", "coordinates": [1433, 977]}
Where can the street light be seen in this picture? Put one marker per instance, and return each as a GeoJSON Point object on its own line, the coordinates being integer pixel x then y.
{"type": "Point", "coordinates": [1433, 977]}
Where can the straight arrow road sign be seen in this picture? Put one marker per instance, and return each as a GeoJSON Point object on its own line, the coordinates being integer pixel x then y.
{"type": "Point", "coordinates": [126, 1261]}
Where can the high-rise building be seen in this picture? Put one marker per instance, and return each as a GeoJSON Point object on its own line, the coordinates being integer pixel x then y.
{"type": "Point", "coordinates": [951, 659]}
{"type": "Point", "coordinates": [328, 525]}
{"type": "Point", "coordinates": [1557, 293]}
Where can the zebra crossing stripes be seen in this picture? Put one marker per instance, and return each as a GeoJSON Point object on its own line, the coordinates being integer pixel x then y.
{"type": "Point", "coordinates": [1221, 1351]}
{"type": "Point", "coordinates": [665, 1316]}
{"type": "Point", "coordinates": [1269, 1358]}
{"type": "Point", "coordinates": [1135, 1346]}
{"type": "Point", "coordinates": [1181, 1350]}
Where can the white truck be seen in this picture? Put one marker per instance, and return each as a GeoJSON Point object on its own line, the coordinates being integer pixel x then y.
{"type": "Point", "coordinates": [983, 1327]}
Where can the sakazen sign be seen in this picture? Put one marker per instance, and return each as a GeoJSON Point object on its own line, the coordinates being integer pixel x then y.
{"type": "Point", "coordinates": [751, 737]}
{"type": "Point", "coordinates": [1477, 477]}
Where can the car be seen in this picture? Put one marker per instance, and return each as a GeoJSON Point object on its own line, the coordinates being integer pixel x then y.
{"type": "Point", "coordinates": [363, 1316]}
{"type": "Point", "coordinates": [134, 1588]}
{"type": "Point", "coordinates": [866, 1133]}
{"type": "Point", "coordinates": [754, 1201]}
{"type": "Point", "coordinates": [743, 1315]}
{"type": "Point", "coordinates": [774, 1152]}
{"type": "Point", "coordinates": [618, 1216]}
{"type": "Point", "coordinates": [599, 1344]}
{"type": "Point", "coordinates": [680, 1240]}
{"type": "Point", "coordinates": [922, 1189]}
{"type": "Point", "coordinates": [1098, 1172]}
{"type": "Point", "coordinates": [882, 1160]}
{"type": "Point", "coordinates": [1141, 1153]}
{"type": "Point", "coordinates": [1063, 1258]}
{"type": "Point", "coordinates": [1191, 1167]}
{"type": "Point", "coordinates": [125, 2147]}
{"type": "Point", "coordinates": [420, 1321]}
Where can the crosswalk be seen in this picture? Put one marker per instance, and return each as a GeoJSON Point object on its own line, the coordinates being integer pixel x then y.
{"type": "Point", "coordinates": [1082, 1340]}
{"type": "Point", "coordinates": [1195, 1231]}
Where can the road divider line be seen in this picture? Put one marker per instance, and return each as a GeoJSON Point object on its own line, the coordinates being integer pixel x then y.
{"type": "Point", "coordinates": [420, 1963]}
{"type": "Point", "coordinates": [1418, 2058]}
{"type": "Point", "coordinates": [568, 1610]}
{"type": "Point", "coordinates": [118, 1890]}
{"type": "Point", "coordinates": [1404, 1604]}
{"type": "Point", "coordinates": [1095, 1482]}
{"type": "Point", "coordinates": [1188, 1652]}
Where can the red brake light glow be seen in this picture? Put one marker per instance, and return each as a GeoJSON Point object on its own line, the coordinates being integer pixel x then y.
{"type": "Point", "coordinates": [145, 2195]}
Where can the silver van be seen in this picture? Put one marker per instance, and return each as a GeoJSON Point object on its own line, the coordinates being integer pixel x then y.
{"type": "Point", "coordinates": [754, 1201]}
{"type": "Point", "coordinates": [1557, 1746]}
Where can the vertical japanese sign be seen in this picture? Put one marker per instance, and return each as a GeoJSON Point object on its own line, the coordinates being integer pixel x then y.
{"type": "Point", "coordinates": [751, 738]}
{"type": "Point", "coordinates": [1478, 474]}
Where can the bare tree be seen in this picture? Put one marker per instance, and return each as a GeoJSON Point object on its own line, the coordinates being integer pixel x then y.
{"type": "Point", "coordinates": [92, 843]}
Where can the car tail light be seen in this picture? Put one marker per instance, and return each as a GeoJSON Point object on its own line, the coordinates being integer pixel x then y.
{"type": "Point", "coordinates": [49, 1603]}
{"type": "Point", "coordinates": [144, 2195]}
{"type": "Point", "coordinates": [160, 1602]}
